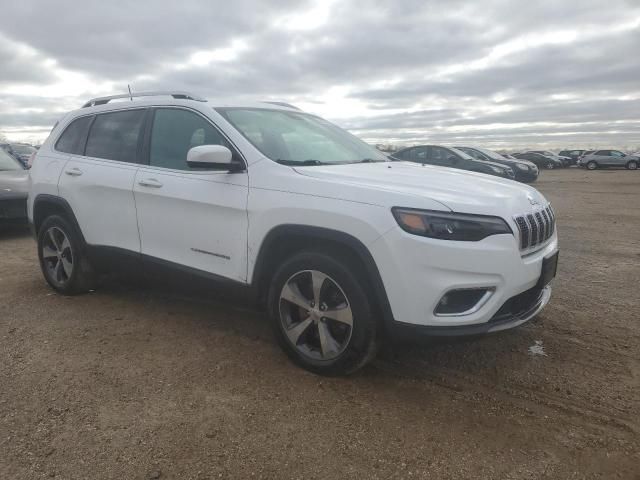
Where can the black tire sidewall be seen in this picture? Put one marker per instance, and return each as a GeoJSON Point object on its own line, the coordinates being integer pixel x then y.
{"type": "Point", "coordinates": [363, 342]}
{"type": "Point", "coordinates": [75, 283]}
{"type": "Point", "coordinates": [634, 163]}
{"type": "Point", "coordinates": [595, 165]}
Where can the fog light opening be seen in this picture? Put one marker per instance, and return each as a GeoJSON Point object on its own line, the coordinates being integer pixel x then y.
{"type": "Point", "coordinates": [463, 301]}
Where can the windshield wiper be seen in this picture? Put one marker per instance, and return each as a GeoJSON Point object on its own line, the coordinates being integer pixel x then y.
{"type": "Point", "coordinates": [302, 163]}
{"type": "Point", "coordinates": [370, 160]}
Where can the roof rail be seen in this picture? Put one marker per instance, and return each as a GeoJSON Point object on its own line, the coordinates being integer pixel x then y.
{"type": "Point", "coordinates": [283, 104]}
{"type": "Point", "coordinates": [178, 95]}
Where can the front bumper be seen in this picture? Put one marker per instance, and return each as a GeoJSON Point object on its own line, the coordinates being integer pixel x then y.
{"type": "Point", "coordinates": [418, 271]}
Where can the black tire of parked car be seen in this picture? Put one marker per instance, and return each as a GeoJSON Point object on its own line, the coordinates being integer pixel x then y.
{"type": "Point", "coordinates": [82, 277]}
{"type": "Point", "coordinates": [364, 336]}
{"type": "Point", "coordinates": [550, 166]}
{"type": "Point", "coordinates": [592, 165]}
{"type": "Point", "coordinates": [632, 165]}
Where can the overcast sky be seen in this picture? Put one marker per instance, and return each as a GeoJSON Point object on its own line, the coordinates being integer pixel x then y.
{"type": "Point", "coordinates": [503, 74]}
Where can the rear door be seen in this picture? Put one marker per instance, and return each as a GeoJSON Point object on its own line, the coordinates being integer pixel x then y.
{"type": "Point", "coordinates": [190, 217]}
{"type": "Point", "coordinates": [99, 184]}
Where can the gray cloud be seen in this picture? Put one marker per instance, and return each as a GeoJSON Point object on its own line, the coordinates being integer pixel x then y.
{"type": "Point", "coordinates": [387, 56]}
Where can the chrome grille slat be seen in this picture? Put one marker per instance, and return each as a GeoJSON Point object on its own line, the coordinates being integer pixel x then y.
{"type": "Point", "coordinates": [535, 228]}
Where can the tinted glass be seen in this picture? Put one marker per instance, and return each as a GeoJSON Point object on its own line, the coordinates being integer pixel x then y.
{"type": "Point", "coordinates": [175, 132]}
{"type": "Point", "coordinates": [22, 149]}
{"type": "Point", "coordinates": [420, 154]}
{"type": "Point", "coordinates": [73, 138]}
{"type": "Point", "coordinates": [115, 136]}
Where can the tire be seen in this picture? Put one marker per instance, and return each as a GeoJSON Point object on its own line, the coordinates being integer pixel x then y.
{"type": "Point", "coordinates": [632, 165]}
{"type": "Point", "coordinates": [592, 165]}
{"type": "Point", "coordinates": [550, 166]}
{"type": "Point", "coordinates": [338, 344]}
{"type": "Point", "coordinates": [62, 256]}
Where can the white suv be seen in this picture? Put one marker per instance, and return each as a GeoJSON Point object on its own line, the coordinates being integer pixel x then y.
{"type": "Point", "coordinates": [343, 245]}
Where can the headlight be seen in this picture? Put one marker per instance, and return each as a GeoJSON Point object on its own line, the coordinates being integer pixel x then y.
{"type": "Point", "coordinates": [522, 166]}
{"type": "Point", "coordinates": [449, 226]}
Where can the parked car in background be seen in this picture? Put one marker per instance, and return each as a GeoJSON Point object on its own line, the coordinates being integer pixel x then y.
{"type": "Point", "coordinates": [541, 161]}
{"type": "Point", "coordinates": [452, 158]}
{"type": "Point", "coordinates": [343, 246]}
{"type": "Point", "coordinates": [565, 161]}
{"type": "Point", "coordinates": [584, 154]}
{"type": "Point", "coordinates": [574, 155]}
{"type": "Point", "coordinates": [524, 170]}
{"type": "Point", "coordinates": [609, 158]}
{"type": "Point", "coordinates": [14, 187]}
{"type": "Point", "coordinates": [22, 152]}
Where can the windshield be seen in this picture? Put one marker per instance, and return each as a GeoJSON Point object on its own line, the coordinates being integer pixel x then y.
{"type": "Point", "coordinates": [23, 149]}
{"type": "Point", "coordinates": [462, 154]}
{"type": "Point", "coordinates": [491, 154]}
{"type": "Point", "coordinates": [294, 138]}
{"type": "Point", "coordinates": [7, 162]}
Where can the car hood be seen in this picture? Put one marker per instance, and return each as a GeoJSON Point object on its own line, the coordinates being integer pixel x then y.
{"type": "Point", "coordinates": [14, 183]}
{"type": "Point", "coordinates": [406, 184]}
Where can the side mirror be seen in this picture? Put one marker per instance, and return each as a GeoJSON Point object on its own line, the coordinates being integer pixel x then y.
{"type": "Point", "coordinates": [210, 156]}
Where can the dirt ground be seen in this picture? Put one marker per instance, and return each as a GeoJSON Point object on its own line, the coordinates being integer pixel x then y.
{"type": "Point", "coordinates": [140, 381]}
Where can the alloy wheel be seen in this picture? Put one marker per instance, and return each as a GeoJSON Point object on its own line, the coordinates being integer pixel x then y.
{"type": "Point", "coordinates": [57, 256]}
{"type": "Point", "coordinates": [315, 315]}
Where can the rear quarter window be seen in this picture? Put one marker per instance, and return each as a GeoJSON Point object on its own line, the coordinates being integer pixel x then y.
{"type": "Point", "coordinates": [74, 136]}
{"type": "Point", "coordinates": [115, 135]}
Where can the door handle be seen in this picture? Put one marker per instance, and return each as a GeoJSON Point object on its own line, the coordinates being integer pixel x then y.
{"type": "Point", "coordinates": [150, 182]}
{"type": "Point", "coordinates": [74, 172]}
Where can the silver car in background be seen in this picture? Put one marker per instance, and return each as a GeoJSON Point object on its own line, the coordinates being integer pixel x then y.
{"type": "Point", "coordinates": [609, 158]}
{"type": "Point", "coordinates": [14, 187]}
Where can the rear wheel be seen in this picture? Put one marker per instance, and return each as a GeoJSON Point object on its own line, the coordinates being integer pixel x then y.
{"type": "Point", "coordinates": [321, 315]}
{"type": "Point", "coordinates": [62, 258]}
{"type": "Point", "coordinates": [592, 165]}
{"type": "Point", "coordinates": [632, 165]}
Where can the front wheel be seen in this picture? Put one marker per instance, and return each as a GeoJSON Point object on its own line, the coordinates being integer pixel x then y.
{"type": "Point", "coordinates": [62, 258]}
{"type": "Point", "coordinates": [632, 165]}
{"type": "Point", "coordinates": [550, 166]}
{"type": "Point", "coordinates": [592, 165]}
{"type": "Point", "coordinates": [321, 315]}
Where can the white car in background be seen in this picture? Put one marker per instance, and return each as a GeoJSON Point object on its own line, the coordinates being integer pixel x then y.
{"type": "Point", "coordinates": [344, 246]}
{"type": "Point", "coordinates": [14, 188]}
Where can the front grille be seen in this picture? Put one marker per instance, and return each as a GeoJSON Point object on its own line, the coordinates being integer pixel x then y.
{"type": "Point", "coordinates": [535, 228]}
{"type": "Point", "coordinates": [519, 305]}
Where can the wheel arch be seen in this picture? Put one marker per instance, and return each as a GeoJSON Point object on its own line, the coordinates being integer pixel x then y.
{"type": "Point", "coordinates": [46, 205]}
{"type": "Point", "coordinates": [284, 240]}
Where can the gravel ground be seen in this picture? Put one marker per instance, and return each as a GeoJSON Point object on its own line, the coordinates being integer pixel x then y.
{"type": "Point", "coordinates": [142, 381]}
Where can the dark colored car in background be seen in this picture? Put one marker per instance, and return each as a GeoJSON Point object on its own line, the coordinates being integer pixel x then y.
{"type": "Point", "coordinates": [14, 188]}
{"type": "Point", "coordinates": [524, 170]}
{"type": "Point", "coordinates": [22, 152]}
{"type": "Point", "coordinates": [452, 158]}
{"type": "Point", "coordinates": [541, 161]}
{"type": "Point", "coordinates": [565, 161]}
{"type": "Point", "coordinates": [574, 155]}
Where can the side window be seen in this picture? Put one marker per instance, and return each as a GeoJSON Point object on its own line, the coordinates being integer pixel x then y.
{"type": "Point", "coordinates": [602, 152]}
{"type": "Point", "coordinates": [420, 154]}
{"type": "Point", "coordinates": [440, 156]}
{"type": "Point", "coordinates": [175, 132]}
{"type": "Point", "coordinates": [115, 136]}
{"type": "Point", "coordinates": [404, 154]}
{"type": "Point", "coordinates": [73, 138]}
{"type": "Point", "coordinates": [615, 153]}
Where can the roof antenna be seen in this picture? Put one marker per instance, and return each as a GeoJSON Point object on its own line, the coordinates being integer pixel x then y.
{"type": "Point", "coordinates": [130, 94]}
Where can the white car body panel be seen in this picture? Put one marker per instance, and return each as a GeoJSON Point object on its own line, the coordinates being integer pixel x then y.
{"type": "Point", "coordinates": [217, 222]}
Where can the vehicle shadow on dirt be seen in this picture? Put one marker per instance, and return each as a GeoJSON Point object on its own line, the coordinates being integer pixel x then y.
{"type": "Point", "coordinates": [235, 311]}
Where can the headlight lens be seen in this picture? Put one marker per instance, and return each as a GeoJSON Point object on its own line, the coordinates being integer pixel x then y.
{"type": "Point", "coordinates": [522, 166]}
{"type": "Point", "coordinates": [449, 226]}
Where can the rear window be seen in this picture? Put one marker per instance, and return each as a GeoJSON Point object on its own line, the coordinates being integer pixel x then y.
{"type": "Point", "coordinates": [73, 138]}
{"type": "Point", "coordinates": [115, 136]}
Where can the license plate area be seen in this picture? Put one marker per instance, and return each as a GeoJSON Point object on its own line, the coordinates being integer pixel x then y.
{"type": "Point", "coordinates": [549, 269]}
